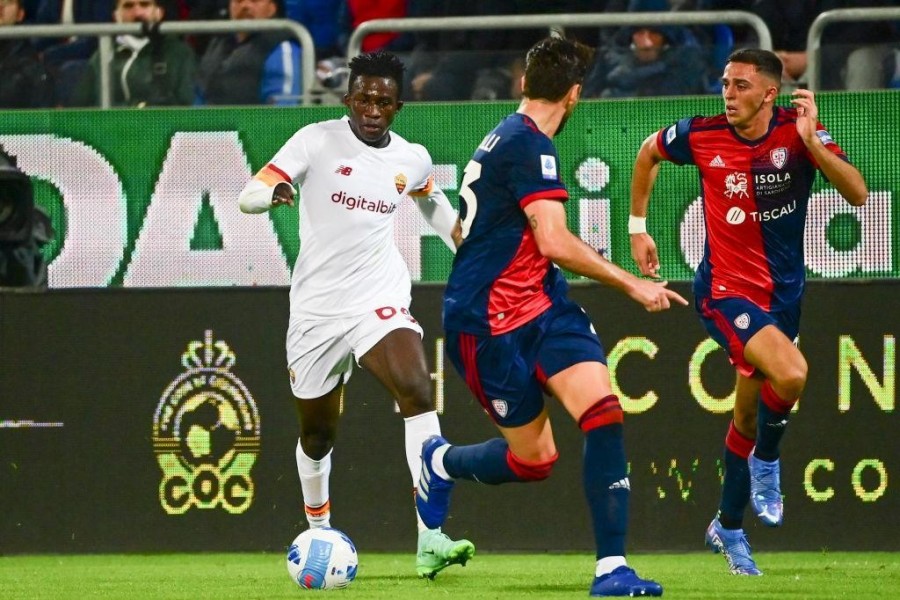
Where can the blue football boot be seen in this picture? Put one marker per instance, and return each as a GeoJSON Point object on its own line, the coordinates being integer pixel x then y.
{"type": "Point", "coordinates": [623, 581]}
{"type": "Point", "coordinates": [433, 491]}
{"type": "Point", "coordinates": [732, 543]}
{"type": "Point", "coordinates": [765, 490]}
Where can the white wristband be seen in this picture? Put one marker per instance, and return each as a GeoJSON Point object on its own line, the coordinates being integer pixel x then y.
{"type": "Point", "coordinates": [637, 224]}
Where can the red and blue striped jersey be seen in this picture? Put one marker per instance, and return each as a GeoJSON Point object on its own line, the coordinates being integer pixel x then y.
{"type": "Point", "coordinates": [755, 195]}
{"type": "Point", "coordinates": [499, 279]}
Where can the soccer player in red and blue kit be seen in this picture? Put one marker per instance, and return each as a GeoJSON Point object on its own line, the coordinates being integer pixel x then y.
{"type": "Point", "coordinates": [757, 162]}
{"type": "Point", "coordinates": [512, 333]}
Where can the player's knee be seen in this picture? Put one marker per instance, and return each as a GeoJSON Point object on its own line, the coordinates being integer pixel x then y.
{"type": "Point", "coordinates": [527, 470]}
{"type": "Point", "coordinates": [414, 397]}
{"type": "Point", "coordinates": [316, 444]}
{"type": "Point", "coordinates": [605, 411]}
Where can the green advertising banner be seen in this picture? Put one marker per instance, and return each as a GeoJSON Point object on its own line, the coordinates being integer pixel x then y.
{"type": "Point", "coordinates": [148, 198]}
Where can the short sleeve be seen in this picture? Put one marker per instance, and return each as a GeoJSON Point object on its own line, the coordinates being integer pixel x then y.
{"type": "Point", "coordinates": [674, 142]}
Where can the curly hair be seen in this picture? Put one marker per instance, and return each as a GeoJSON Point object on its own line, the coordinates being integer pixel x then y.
{"type": "Point", "coordinates": [377, 64]}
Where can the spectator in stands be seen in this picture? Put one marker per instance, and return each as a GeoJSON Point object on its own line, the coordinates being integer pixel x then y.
{"type": "Point", "coordinates": [146, 70]}
{"type": "Point", "coordinates": [466, 64]}
{"type": "Point", "coordinates": [322, 19]}
{"type": "Point", "coordinates": [24, 82]}
{"type": "Point", "coordinates": [868, 41]}
{"type": "Point", "coordinates": [66, 58]}
{"type": "Point", "coordinates": [359, 11]}
{"type": "Point", "coordinates": [788, 21]}
{"type": "Point", "coordinates": [67, 12]}
{"type": "Point", "coordinates": [250, 68]}
{"type": "Point", "coordinates": [30, 7]}
{"type": "Point", "coordinates": [658, 61]}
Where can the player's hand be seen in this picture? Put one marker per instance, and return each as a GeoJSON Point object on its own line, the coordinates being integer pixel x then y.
{"type": "Point", "coordinates": [284, 194]}
{"type": "Point", "coordinates": [654, 296]}
{"type": "Point", "coordinates": [643, 251]}
{"type": "Point", "coordinates": [807, 114]}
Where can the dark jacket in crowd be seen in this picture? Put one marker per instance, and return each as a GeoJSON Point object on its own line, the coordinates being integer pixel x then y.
{"type": "Point", "coordinates": [24, 82]}
{"type": "Point", "coordinates": [247, 72]}
{"type": "Point", "coordinates": [146, 71]}
{"type": "Point", "coordinates": [49, 12]}
{"type": "Point", "coordinates": [679, 70]}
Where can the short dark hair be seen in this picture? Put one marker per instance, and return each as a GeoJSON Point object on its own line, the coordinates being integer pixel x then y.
{"type": "Point", "coordinates": [553, 66]}
{"type": "Point", "coordinates": [377, 64]}
{"type": "Point", "coordinates": [765, 61]}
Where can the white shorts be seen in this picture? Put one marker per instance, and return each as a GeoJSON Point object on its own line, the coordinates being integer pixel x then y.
{"type": "Point", "coordinates": [320, 351]}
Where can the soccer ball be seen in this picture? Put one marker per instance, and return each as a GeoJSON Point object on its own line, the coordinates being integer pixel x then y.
{"type": "Point", "coordinates": [322, 559]}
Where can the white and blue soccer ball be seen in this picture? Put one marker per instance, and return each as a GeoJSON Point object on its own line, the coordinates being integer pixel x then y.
{"type": "Point", "coordinates": [322, 559]}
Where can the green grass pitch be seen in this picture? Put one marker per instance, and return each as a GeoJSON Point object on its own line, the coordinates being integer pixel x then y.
{"type": "Point", "coordinates": [488, 576]}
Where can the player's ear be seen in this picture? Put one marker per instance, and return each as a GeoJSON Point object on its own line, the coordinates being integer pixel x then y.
{"type": "Point", "coordinates": [399, 105]}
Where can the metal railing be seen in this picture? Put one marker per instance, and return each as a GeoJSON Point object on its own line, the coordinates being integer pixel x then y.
{"type": "Point", "coordinates": [555, 22]}
{"type": "Point", "coordinates": [814, 38]}
{"type": "Point", "coordinates": [106, 31]}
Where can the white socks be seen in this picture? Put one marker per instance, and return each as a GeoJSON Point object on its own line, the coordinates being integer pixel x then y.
{"type": "Point", "coordinates": [608, 564]}
{"type": "Point", "coordinates": [418, 429]}
{"type": "Point", "coordinates": [314, 484]}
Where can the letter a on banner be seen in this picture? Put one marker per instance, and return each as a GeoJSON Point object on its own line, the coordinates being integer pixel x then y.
{"type": "Point", "coordinates": [198, 165]}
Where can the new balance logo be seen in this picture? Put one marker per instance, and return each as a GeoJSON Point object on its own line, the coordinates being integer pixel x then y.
{"type": "Point", "coordinates": [717, 162]}
{"type": "Point", "coordinates": [342, 170]}
{"type": "Point", "coordinates": [622, 484]}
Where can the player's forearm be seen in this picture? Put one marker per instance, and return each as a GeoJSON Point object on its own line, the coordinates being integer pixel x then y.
{"type": "Point", "coordinates": [643, 177]}
{"type": "Point", "coordinates": [256, 197]}
{"type": "Point", "coordinates": [437, 210]}
{"type": "Point", "coordinates": [573, 254]}
{"type": "Point", "coordinates": [845, 178]}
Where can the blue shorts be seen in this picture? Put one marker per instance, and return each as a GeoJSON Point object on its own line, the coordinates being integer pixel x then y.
{"type": "Point", "coordinates": [731, 322]}
{"type": "Point", "coordinates": [507, 373]}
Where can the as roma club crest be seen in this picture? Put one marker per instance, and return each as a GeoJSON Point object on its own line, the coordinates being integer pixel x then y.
{"type": "Point", "coordinates": [779, 156]}
{"type": "Point", "coordinates": [400, 182]}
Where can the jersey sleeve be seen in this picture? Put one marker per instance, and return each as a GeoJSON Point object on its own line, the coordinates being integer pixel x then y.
{"type": "Point", "coordinates": [674, 142]}
{"type": "Point", "coordinates": [292, 161]}
{"type": "Point", "coordinates": [424, 182]}
{"type": "Point", "coordinates": [829, 144]}
{"type": "Point", "coordinates": [534, 172]}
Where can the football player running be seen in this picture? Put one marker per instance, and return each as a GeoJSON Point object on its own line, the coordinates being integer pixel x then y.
{"type": "Point", "coordinates": [350, 288]}
{"type": "Point", "coordinates": [757, 163]}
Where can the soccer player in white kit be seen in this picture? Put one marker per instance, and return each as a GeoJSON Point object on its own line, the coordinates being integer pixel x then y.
{"type": "Point", "coordinates": [350, 288]}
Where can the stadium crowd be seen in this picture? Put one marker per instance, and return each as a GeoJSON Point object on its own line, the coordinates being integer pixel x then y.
{"type": "Point", "coordinates": [451, 65]}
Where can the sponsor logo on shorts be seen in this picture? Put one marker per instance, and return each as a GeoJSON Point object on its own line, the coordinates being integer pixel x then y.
{"type": "Point", "coordinates": [742, 321]}
{"type": "Point", "coordinates": [500, 407]}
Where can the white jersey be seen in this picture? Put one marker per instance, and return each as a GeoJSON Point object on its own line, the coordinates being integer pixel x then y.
{"type": "Point", "coordinates": [349, 194]}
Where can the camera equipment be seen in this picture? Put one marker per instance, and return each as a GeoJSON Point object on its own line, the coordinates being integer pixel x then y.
{"type": "Point", "coordinates": [24, 229]}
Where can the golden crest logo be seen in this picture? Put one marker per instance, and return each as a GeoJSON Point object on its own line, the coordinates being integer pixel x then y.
{"type": "Point", "coordinates": [400, 182]}
{"type": "Point", "coordinates": [206, 433]}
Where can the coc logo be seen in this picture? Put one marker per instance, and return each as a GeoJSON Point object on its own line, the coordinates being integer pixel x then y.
{"type": "Point", "coordinates": [206, 433]}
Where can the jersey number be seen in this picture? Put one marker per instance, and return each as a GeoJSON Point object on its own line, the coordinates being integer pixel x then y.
{"type": "Point", "coordinates": [472, 173]}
